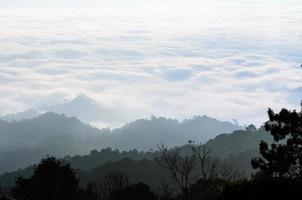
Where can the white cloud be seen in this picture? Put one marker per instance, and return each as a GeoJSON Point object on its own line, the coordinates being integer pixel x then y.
{"type": "Point", "coordinates": [174, 59]}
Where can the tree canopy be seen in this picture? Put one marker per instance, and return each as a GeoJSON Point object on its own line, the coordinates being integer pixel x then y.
{"type": "Point", "coordinates": [52, 180]}
{"type": "Point", "coordinates": [283, 158]}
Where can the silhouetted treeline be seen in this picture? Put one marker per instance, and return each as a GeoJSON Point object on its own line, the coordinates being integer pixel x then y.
{"type": "Point", "coordinates": [193, 171]}
{"type": "Point", "coordinates": [96, 158]}
{"type": "Point", "coordinates": [278, 172]}
{"type": "Point", "coordinates": [235, 149]}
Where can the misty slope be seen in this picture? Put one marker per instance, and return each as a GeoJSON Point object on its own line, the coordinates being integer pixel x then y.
{"type": "Point", "coordinates": [82, 107]}
{"type": "Point", "coordinates": [33, 131]}
{"type": "Point", "coordinates": [225, 145]}
{"type": "Point", "coordinates": [59, 135]}
{"type": "Point", "coordinates": [236, 149]}
{"type": "Point", "coordinates": [19, 116]}
{"type": "Point", "coordinates": [149, 133]}
{"type": "Point", "coordinates": [25, 142]}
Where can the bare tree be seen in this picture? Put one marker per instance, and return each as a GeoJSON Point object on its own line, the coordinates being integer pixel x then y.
{"type": "Point", "coordinates": [180, 167]}
{"type": "Point", "coordinates": [229, 174]}
{"type": "Point", "coordinates": [165, 191]}
{"type": "Point", "coordinates": [93, 192]}
{"type": "Point", "coordinates": [211, 169]}
{"type": "Point", "coordinates": [1, 192]}
{"type": "Point", "coordinates": [210, 173]}
{"type": "Point", "coordinates": [111, 184]}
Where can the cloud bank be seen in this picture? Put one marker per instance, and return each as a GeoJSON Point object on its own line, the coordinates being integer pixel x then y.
{"type": "Point", "coordinates": [174, 59]}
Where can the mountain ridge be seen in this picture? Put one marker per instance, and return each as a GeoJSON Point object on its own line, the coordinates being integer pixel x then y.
{"type": "Point", "coordinates": [57, 134]}
{"type": "Point", "coordinates": [98, 163]}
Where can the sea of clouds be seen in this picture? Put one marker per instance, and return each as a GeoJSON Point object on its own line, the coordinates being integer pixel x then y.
{"type": "Point", "coordinates": [170, 58]}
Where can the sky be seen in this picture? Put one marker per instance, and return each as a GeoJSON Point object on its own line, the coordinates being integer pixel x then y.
{"type": "Point", "coordinates": [225, 59]}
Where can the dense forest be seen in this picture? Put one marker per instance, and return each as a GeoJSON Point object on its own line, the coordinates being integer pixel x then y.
{"type": "Point", "coordinates": [251, 161]}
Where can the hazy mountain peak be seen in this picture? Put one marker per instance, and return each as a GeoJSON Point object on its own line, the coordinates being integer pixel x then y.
{"type": "Point", "coordinates": [82, 99]}
{"type": "Point", "coordinates": [82, 107]}
{"type": "Point", "coordinates": [79, 102]}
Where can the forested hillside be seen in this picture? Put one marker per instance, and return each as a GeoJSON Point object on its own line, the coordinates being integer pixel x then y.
{"type": "Point", "coordinates": [235, 149]}
{"type": "Point", "coordinates": [25, 142]}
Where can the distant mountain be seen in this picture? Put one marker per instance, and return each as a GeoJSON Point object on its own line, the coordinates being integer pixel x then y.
{"type": "Point", "coordinates": [19, 116]}
{"type": "Point", "coordinates": [142, 134]}
{"type": "Point", "coordinates": [91, 112]}
{"type": "Point", "coordinates": [25, 142]}
{"type": "Point", "coordinates": [83, 108]}
{"type": "Point", "coordinates": [59, 135]}
{"type": "Point", "coordinates": [29, 132]}
{"type": "Point", "coordinates": [147, 133]}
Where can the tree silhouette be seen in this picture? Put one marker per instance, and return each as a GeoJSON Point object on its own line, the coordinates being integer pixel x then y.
{"type": "Point", "coordinates": [180, 167]}
{"type": "Point", "coordinates": [2, 194]}
{"type": "Point", "coordinates": [283, 159]}
{"type": "Point", "coordinates": [112, 184]}
{"type": "Point", "coordinates": [139, 191]}
{"type": "Point", "coordinates": [251, 128]}
{"type": "Point", "coordinates": [165, 192]}
{"type": "Point", "coordinates": [276, 189]}
{"type": "Point", "coordinates": [213, 174]}
{"type": "Point", "coordinates": [92, 192]}
{"type": "Point", "coordinates": [279, 168]}
{"type": "Point", "coordinates": [4, 198]}
{"type": "Point", "coordinates": [52, 180]}
{"type": "Point", "coordinates": [1, 191]}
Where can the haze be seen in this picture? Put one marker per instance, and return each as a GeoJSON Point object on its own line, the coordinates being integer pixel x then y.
{"type": "Point", "coordinates": [230, 60]}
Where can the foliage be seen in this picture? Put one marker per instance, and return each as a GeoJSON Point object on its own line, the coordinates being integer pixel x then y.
{"type": "Point", "coordinates": [96, 158]}
{"type": "Point", "coordinates": [52, 180]}
{"type": "Point", "coordinates": [277, 189]}
{"type": "Point", "coordinates": [251, 128]}
{"type": "Point", "coordinates": [137, 191]}
{"type": "Point", "coordinates": [280, 167]}
{"type": "Point", "coordinates": [283, 158]}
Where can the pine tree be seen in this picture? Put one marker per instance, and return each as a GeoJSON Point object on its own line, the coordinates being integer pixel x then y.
{"type": "Point", "coordinates": [283, 158]}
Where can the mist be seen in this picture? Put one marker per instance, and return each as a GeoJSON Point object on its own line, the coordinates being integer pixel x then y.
{"type": "Point", "coordinates": [150, 99]}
